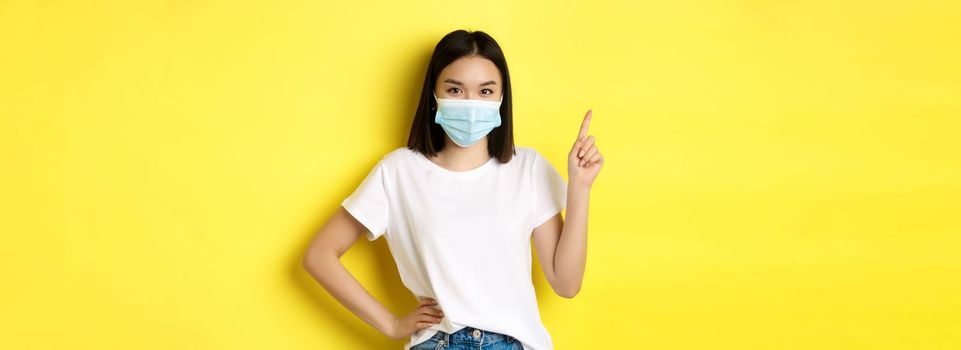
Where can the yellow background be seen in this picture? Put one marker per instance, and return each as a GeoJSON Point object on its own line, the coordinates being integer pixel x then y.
{"type": "Point", "coordinates": [780, 175]}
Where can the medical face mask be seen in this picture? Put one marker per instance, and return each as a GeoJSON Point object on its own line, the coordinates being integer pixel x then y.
{"type": "Point", "coordinates": [467, 121]}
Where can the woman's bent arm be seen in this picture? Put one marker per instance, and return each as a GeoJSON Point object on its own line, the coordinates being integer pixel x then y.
{"type": "Point", "coordinates": [322, 262]}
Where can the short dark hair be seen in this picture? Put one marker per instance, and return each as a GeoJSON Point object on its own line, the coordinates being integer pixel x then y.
{"type": "Point", "coordinates": [426, 136]}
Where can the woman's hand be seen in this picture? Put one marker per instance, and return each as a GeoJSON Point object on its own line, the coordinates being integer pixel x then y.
{"type": "Point", "coordinates": [425, 315]}
{"type": "Point", "coordinates": [584, 161]}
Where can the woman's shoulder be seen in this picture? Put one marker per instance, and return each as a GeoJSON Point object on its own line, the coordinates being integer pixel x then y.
{"type": "Point", "coordinates": [527, 154]}
{"type": "Point", "coordinates": [398, 152]}
{"type": "Point", "coordinates": [527, 149]}
{"type": "Point", "coordinates": [398, 156]}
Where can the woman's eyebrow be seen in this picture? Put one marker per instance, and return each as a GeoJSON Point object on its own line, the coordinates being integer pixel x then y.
{"type": "Point", "coordinates": [455, 82]}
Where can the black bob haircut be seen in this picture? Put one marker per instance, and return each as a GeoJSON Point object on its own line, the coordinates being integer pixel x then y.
{"type": "Point", "coordinates": [426, 136]}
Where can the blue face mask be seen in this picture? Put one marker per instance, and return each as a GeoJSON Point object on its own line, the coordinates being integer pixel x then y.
{"type": "Point", "coordinates": [467, 121]}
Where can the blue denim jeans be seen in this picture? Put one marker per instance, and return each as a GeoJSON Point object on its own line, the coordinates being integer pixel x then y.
{"type": "Point", "coordinates": [469, 338]}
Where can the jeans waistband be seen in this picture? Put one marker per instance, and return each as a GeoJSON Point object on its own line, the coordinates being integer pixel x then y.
{"type": "Point", "coordinates": [470, 335]}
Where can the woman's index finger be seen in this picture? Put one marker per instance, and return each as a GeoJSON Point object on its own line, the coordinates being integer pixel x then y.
{"type": "Point", "coordinates": [584, 125]}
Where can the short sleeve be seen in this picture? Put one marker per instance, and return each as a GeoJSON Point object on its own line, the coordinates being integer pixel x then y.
{"type": "Point", "coordinates": [368, 203]}
{"type": "Point", "coordinates": [549, 191]}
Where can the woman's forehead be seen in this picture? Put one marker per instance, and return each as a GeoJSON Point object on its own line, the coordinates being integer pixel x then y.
{"type": "Point", "coordinates": [471, 70]}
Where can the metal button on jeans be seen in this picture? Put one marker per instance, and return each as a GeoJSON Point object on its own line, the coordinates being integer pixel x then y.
{"type": "Point", "coordinates": [476, 333]}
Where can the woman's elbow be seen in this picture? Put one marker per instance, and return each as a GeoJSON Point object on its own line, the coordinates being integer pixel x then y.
{"type": "Point", "coordinates": [307, 262]}
{"type": "Point", "coordinates": [568, 292]}
{"type": "Point", "coordinates": [313, 261]}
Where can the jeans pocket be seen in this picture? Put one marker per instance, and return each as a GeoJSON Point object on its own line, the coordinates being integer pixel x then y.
{"type": "Point", "coordinates": [515, 344]}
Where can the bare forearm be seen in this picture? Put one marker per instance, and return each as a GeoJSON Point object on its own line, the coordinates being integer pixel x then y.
{"type": "Point", "coordinates": [570, 257]}
{"type": "Point", "coordinates": [343, 286]}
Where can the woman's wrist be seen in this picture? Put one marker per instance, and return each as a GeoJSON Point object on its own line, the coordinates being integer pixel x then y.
{"type": "Point", "coordinates": [578, 187]}
{"type": "Point", "coordinates": [388, 326]}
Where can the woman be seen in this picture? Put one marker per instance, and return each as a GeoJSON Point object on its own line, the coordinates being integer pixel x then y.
{"type": "Point", "coordinates": [459, 206]}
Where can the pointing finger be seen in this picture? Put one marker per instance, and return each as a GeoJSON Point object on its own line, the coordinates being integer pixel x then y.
{"type": "Point", "coordinates": [584, 124]}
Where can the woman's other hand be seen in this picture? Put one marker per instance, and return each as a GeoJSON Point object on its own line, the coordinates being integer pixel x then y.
{"type": "Point", "coordinates": [425, 315]}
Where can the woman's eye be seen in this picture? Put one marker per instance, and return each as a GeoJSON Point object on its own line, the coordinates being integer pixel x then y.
{"type": "Point", "coordinates": [453, 90]}
{"type": "Point", "coordinates": [489, 91]}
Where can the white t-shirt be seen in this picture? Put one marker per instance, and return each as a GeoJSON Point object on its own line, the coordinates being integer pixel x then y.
{"type": "Point", "coordinates": [464, 237]}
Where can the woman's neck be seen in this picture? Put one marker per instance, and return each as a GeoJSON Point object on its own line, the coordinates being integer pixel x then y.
{"type": "Point", "coordinates": [457, 158]}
